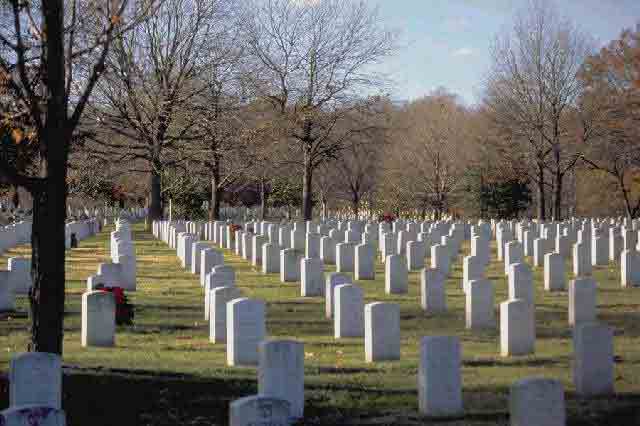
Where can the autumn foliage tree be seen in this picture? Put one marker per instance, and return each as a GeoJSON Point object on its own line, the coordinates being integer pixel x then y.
{"type": "Point", "coordinates": [611, 107]}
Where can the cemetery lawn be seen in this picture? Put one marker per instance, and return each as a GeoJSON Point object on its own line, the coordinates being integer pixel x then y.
{"type": "Point", "coordinates": [164, 370]}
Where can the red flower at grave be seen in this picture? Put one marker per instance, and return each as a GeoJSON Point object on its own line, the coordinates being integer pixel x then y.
{"type": "Point", "coordinates": [124, 310]}
{"type": "Point", "coordinates": [387, 217]}
{"type": "Point", "coordinates": [235, 228]}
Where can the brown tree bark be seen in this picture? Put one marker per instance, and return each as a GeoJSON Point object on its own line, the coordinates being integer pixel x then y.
{"type": "Point", "coordinates": [307, 175]}
{"type": "Point", "coordinates": [214, 208]}
{"type": "Point", "coordinates": [155, 196]}
{"type": "Point", "coordinates": [541, 193]}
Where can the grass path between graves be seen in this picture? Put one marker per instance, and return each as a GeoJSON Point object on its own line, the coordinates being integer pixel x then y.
{"type": "Point", "coordinates": [164, 371]}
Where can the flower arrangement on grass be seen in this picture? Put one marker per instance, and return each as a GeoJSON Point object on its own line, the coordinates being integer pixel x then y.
{"type": "Point", "coordinates": [235, 228]}
{"type": "Point", "coordinates": [124, 309]}
{"type": "Point", "coordinates": [387, 217]}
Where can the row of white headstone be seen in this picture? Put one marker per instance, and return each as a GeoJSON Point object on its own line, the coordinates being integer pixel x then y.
{"type": "Point", "coordinates": [98, 326]}
{"type": "Point", "coordinates": [381, 342]}
{"type": "Point", "coordinates": [16, 280]}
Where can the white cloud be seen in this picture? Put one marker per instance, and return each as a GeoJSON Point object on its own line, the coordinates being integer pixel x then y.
{"type": "Point", "coordinates": [464, 51]}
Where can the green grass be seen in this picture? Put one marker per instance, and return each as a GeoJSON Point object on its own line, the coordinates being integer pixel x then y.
{"type": "Point", "coordinates": [164, 371]}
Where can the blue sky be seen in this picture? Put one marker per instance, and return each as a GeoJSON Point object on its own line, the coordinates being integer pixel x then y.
{"type": "Point", "coordinates": [446, 42]}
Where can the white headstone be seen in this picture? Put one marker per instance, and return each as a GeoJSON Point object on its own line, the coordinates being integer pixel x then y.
{"type": "Point", "coordinates": [289, 266]}
{"type": "Point", "coordinates": [364, 262]}
{"type": "Point", "coordinates": [554, 275]}
{"type": "Point", "coordinates": [537, 402]}
{"type": "Point", "coordinates": [259, 410]}
{"type": "Point", "coordinates": [582, 301]}
{"type": "Point", "coordinates": [593, 368]}
{"type": "Point", "coordinates": [381, 332]}
{"type": "Point", "coordinates": [630, 268]}
{"type": "Point", "coordinates": [345, 257]}
{"type": "Point", "coordinates": [218, 298]}
{"type": "Point", "coordinates": [35, 378]}
{"type": "Point", "coordinates": [245, 330]}
{"type": "Point", "coordinates": [98, 318]}
{"type": "Point", "coordinates": [333, 280]}
{"type": "Point", "coordinates": [439, 378]}
{"type": "Point", "coordinates": [396, 276]}
{"type": "Point", "coordinates": [517, 328]}
{"type": "Point", "coordinates": [281, 373]}
{"type": "Point", "coordinates": [270, 258]}
{"type": "Point", "coordinates": [349, 311]}
{"type": "Point", "coordinates": [433, 298]}
{"type": "Point", "coordinates": [479, 305]}
{"type": "Point", "coordinates": [311, 281]}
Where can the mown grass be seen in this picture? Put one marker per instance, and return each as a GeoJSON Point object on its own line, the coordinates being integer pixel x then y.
{"type": "Point", "coordinates": [164, 371]}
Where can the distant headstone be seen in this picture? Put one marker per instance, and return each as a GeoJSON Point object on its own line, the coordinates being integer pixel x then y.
{"type": "Point", "coordinates": [311, 277]}
{"type": "Point", "coordinates": [582, 301]}
{"type": "Point", "coordinates": [364, 262]}
{"type": "Point", "coordinates": [554, 274]}
{"type": "Point", "coordinates": [289, 266]}
{"type": "Point", "coordinates": [433, 298]}
{"type": "Point", "coordinates": [333, 280]}
{"type": "Point", "coordinates": [396, 277]}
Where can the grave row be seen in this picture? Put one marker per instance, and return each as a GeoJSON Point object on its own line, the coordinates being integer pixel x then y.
{"type": "Point", "coordinates": [16, 280]}
{"type": "Point", "coordinates": [379, 322]}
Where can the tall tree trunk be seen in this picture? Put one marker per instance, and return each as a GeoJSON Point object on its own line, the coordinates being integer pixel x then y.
{"type": "Point", "coordinates": [307, 205]}
{"type": "Point", "coordinates": [46, 297]}
{"type": "Point", "coordinates": [355, 202]}
{"type": "Point", "coordinates": [541, 193]}
{"type": "Point", "coordinates": [557, 196]}
{"type": "Point", "coordinates": [263, 199]}
{"type": "Point", "coordinates": [323, 197]}
{"type": "Point", "coordinates": [214, 208]}
{"type": "Point", "coordinates": [155, 202]}
{"type": "Point", "coordinates": [625, 196]}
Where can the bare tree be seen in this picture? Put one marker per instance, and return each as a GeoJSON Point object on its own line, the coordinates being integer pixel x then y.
{"type": "Point", "coordinates": [312, 60]}
{"type": "Point", "coordinates": [532, 90]}
{"type": "Point", "coordinates": [358, 168]}
{"type": "Point", "coordinates": [150, 95]}
{"type": "Point", "coordinates": [52, 55]}
{"type": "Point", "coordinates": [431, 152]}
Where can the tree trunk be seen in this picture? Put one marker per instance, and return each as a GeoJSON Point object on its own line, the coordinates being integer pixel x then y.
{"type": "Point", "coordinates": [263, 200]}
{"type": "Point", "coordinates": [155, 204]}
{"type": "Point", "coordinates": [557, 197]}
{"type": "Point", "coordinates": [541, 195]}
{"type": "Point", "coordinates": [307, 205]}
{"type": "Point", "coordinates": [324, 206]}
{"type": "Point", "coordinates": [214, 208]}
{"type": "Point", "coordinates": [356, 205]}
{"type": "Point", "coordinates": [46, 297]}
